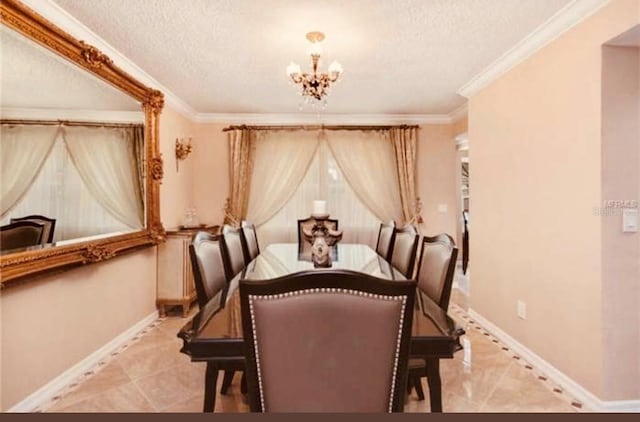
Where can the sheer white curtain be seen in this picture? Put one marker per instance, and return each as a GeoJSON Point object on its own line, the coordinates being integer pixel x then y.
{"type": "Point", "coordinates": [59, 192]}
{"type": "Point", "coordinates": [23, 150]}
{"type": "Point", "coordinates": [367, 161]}
{"type": "Point", "coordinates": [323, 180]}
{"type": "Point", "coordinates": [105, 159]}
{"type": "Point", "coordinates": [281, 159]}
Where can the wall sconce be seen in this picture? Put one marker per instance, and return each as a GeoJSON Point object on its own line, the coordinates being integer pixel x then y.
{"type": "Point", "coordinates": [183, 149]}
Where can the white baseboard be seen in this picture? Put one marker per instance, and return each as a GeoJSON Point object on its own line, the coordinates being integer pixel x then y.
{"type": "Point", "coordinates": [590, 401]}
{"type": "Point", "coordinates": [53, 387]}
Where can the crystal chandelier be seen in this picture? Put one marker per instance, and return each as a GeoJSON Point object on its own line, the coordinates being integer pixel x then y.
{"type": "Point", "coordinates": [315, 86]}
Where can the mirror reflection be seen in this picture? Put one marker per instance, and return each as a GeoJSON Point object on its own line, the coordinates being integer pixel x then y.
{"type": "Point", "coordinates": [72, 151]}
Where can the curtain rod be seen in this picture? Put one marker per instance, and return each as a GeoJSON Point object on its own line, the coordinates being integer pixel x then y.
{"type": "Point", "coordinates": [319, 127]}
{"type": "Point", "coordinates": [66, 123]}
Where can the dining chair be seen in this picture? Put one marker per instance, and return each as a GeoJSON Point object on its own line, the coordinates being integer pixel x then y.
{"type": "Point", "coordinates": [250, 242]}
{"type": "Point", "coordinates": [403, 255]}
{"type": "Point", "coordinates": [436, 269]}
{"type": "Point", "coordinates": [208, 262]}
{"type": "Point", "coordinates": [234, 256]}
{"type": "Point", "coordinates": [304, 247]}
{"type": "Point", "coordinates": [208, 265]}
{"type": "Point", "coordinates": [48, 223]}
{"type": "Point", "coordinates": [386, 238]}
{"type": "Point", "coordinates": [21, 234]}
{"type": "Point", "coordinates": [309, 337]}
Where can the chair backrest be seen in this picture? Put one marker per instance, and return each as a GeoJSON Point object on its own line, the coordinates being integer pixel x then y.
{"type": "Point", "coordinates": [20, 235]}
{"type": "Point", "coordinates": [234, 252]}
{"type": "Point", "coordinates": [386, 238]}
{"type": "Point", "coordinates": [48, 223]}
{"type": "Point", "coordinates": [404, 249]}
{"type": "Point", "coordinates": [309, 337]}
{"type": "Point", "coordinates": [304, 247]}
{"type": "Point", "coordinates": [209, 275]}
{"type": "Point", "coordinates": [250, 243]}
{"type": "Point", "coordinates": [436, 268]}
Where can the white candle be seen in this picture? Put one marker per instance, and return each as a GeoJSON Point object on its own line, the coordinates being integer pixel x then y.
{"type": "Point", "coordinates": [319, 207]}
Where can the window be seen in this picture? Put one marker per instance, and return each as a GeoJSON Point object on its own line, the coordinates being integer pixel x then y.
{"type": "Point", "coordinates": [323, 180]}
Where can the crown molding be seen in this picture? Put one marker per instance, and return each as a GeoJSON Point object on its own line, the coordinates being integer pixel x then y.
{"type": "Point", "coordinates": [61, 18]}
{"type": "Point", "coordinates": [459, 113]}
{"type": "Point", "coordinates": [307, 118]}
{"type": "Point", "coordinates": [566, 18]}
{"type": "Point", "coordinates": [113, 116]}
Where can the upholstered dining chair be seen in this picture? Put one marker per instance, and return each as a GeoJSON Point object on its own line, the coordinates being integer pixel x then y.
{"type": "Point", "coordinates": [386, 238]}
{"type": "Point", "coordinates": [403, 254]}
{"type": "Point", "coordinates": [436, 269]}
{"type": "Point", "coordinates": [20, 235]}
{"type": "Point", "coordinates": [235, 254]}
{"type": "Point", "coordinates": [250, 246]}
{"type": "Point", "coordinates": [208, 262]}
{"type": "Point", "coordinates": [48, 223]}
{"type": "Point", "coordinates": [308, 338]}
{"type": "Point", "coordinates": [234, 258]}
{"type": "Point", "coordinates": [304, 247]}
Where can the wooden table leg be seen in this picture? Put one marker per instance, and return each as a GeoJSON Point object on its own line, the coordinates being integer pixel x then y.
{"type": "Point", "coordinates": [435, 385]}
{"type": "Point", "coordinates": [210, 381]}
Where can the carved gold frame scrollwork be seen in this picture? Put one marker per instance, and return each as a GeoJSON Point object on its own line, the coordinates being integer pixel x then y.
{"type": "Point", "coordinates": [17, 266]}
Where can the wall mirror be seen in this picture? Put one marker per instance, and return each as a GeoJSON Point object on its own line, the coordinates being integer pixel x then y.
{"type": "Point", "coordinates": [79, 146]}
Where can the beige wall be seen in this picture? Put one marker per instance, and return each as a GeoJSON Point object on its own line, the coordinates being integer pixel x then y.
{"type": "Point", "coordinates": [50, 324]}
{"type": "Point", "coordinates": [177, 189]}
{"type": "Point", "coordinates": [211, 168]}
{"type": "Point", "coordinates": [437, 163]}
{"type": "Point", "coordinates": [620, 251]}
{"type": "Point", "coordinates": [460, 126]}
{"type": "Point", "coordinates": [535, 146]}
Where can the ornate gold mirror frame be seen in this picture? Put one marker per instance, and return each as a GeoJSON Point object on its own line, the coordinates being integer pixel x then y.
{"type": "Point", "coordinates": [16, 266]}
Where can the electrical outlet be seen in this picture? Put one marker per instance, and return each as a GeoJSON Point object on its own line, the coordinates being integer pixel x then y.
{"type": "Point", "coordinates": [522, 310]}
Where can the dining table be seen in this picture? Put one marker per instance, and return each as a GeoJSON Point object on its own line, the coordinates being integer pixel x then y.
{"type": "Point", "coordinates": [214, 334]}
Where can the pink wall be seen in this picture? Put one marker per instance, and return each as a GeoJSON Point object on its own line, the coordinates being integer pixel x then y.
{"type": "Point", "coordinates": [437, 166]}
{"type": "Point", "coordinates": [620, 251]}
{"type": "Point", "coordinates": [535, 146]}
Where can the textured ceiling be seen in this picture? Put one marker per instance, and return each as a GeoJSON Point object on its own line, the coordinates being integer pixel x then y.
{"type": "Point", "coordinates": [229, 56]}
{"type": "Point", "coordinates": [35, 78]}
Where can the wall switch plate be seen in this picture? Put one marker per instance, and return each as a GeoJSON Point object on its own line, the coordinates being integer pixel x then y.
{"type": "Point", "coordinates": [629, 220]}
{"type": "Point", "coordinates": [442, 208]}
{"type": "Point", "coordinates": [522, 310]}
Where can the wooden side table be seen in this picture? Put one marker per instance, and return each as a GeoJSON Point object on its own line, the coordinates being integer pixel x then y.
{"type": "Point", "coordinates": [175, 285]}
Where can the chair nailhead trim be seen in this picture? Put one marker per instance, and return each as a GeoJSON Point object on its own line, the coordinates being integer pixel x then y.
{"type": "Point", "coordinates": [402, 298]}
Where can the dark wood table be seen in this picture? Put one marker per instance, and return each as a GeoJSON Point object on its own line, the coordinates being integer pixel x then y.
{"type": "Point", "coordinates": [214, 335]}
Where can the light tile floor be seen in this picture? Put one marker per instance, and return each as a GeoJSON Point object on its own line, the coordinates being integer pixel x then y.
{"type": "Point", "coordinates": [151, 375]}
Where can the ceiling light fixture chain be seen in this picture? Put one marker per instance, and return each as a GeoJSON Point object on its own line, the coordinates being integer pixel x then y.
{"type": "Point", "coordinates": [316, 85]}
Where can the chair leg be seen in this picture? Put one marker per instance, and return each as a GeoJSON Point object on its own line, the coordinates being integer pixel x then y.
{"type": "Point", "coordinates": [243, 383]}
{"type": "Point", "coordinates": [409, 383]}
{"type": "Point", "coordinates": [417, 382]}
{"type": "Point", "coordinates": [226, 381]}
